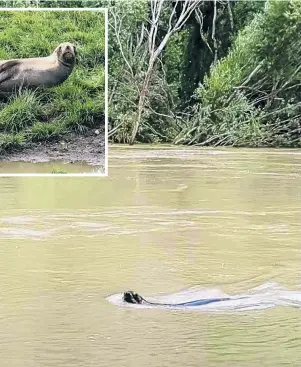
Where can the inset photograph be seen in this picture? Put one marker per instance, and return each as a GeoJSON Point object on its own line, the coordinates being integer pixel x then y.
{"type": "Point", "coordinates": [53, 92]}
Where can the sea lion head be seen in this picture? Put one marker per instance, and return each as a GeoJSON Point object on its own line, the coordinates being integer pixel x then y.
{"type": "Point", "coordinates": [66, 53]}
{"type": "Point", "coordinates": [132, 297]}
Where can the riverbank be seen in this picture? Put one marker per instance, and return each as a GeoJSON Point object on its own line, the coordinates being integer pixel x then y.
{"type": "Point", "coordinates": [71, 148]}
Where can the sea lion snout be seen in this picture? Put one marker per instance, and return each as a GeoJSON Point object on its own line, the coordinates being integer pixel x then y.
{"type": "Point", "coordinates": [66, 52]}
{"type": "Point", "coordinates": [70, 51]}
{"type": "Point", "coordinates": [68, 55]}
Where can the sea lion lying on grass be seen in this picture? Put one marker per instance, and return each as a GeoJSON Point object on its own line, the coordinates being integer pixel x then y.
{"type": "Point", "coordinates": [37, 72]}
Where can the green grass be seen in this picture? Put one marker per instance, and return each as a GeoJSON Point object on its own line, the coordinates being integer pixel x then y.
{"type": "Point", "coordinates": [20, 112]}
{"type": "Point", "coordinates": [45, 131]}
{"type": "Point", "coordinates": [76, 105]}
{"type": "Point", "coordinates": [9, 142]}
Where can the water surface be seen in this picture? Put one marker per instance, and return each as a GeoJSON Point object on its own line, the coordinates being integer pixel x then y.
{"type": "Point", "coordinates": [51, 167]}
{"type": "Point", "coordinates": [166, 220]}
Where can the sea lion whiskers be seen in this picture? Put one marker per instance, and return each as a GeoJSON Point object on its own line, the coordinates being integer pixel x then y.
{"type": "Point", "coordinates": [66, 53]}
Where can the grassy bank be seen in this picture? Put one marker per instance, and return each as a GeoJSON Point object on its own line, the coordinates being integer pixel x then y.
{"type": "Point", "coordinates": [78, 104]}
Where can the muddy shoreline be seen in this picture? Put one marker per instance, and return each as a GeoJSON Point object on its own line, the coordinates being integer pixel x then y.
{"type": "Point", "coordinates": [71, 148]}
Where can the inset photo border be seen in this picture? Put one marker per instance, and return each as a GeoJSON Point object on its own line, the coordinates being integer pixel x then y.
{"type": "Point", "coordinates": [53, 92]}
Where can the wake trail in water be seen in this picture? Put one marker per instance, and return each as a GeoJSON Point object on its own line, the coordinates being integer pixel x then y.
{"type": "Point", "coordinates": [267, 295]}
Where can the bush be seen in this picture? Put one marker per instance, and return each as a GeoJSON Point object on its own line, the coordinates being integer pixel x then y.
{"type": "Point", "coordinates": [259, 79]}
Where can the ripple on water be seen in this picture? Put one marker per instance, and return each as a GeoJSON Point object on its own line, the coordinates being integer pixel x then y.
{"type": "Point", "coordinates": [135, 220]}
{"type": "Point", "coordinates": [160, 222]}
{"type": "Point", "coordinates": [267, 295]}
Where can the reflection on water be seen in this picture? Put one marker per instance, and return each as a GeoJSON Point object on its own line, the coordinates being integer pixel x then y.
{"type": "Point", "coordinates": [165, 220]}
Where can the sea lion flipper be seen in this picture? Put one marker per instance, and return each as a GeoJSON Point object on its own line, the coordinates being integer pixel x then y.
{"type": "Point", "coordinates": [7, 70]}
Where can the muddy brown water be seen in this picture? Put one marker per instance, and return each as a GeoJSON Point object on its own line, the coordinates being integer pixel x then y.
{"type": "Point", "coordinates": [166, 219]}
{"type": "Point", "coordinates": [48, 168]}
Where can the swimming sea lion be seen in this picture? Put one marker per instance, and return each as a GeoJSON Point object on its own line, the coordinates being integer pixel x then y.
{"type": "Point", "coordinates": [132, 297]}
{"type": "Point", "coordinates": [37, 72]}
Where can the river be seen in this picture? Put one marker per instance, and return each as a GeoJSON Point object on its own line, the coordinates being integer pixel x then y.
{"type": "Point", "coordinates": [165, 220]}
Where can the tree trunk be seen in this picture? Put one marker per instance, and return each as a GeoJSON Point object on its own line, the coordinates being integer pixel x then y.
{"type": "Point", "coordinates": [141, 103]}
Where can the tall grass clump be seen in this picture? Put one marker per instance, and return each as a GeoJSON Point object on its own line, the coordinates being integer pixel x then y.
{"type": "Point", "coordinates": [9, 142]}
{"type": "Point", "coordinates": [45, 131]}
{"type": "Point", "coordinates": [20, 112]}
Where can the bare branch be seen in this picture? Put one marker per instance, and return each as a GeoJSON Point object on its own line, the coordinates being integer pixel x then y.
{"type": "Point", "coordinates": [156, 7]}
{"type": "Point", "coordinates": [117, 30]}
{"type": "Point", "coordinates": [139, 43]}
{"type": "Point", "coordinates": [200, 19]}
{"type": "Point", "coordinates": [171, 17]}
{"type": "Point", "coordinates": [161, 114]}
{"type": "Point", "coordinates": [213, 34]}
{"type": "Point", "coordinates": [155, 131]}
{"type": "Point", "coordinates": [188, 6]}
{"type": "Point", "coordinates": [114, 130]}
{"type": "Point", "coordinates": [230, 15]}
{"type": "Point", "coordinates": [252, 73]}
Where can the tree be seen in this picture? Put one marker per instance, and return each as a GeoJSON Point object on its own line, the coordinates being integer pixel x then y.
{"type": "Point", "coordinates": [149, 37]}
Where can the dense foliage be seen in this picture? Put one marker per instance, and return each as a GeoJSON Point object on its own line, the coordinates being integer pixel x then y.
{"type": "Point", "coordinates": [252, 96]}
{"type": "Point", "coordinates": [225, 78]}
{"type": "Point", "coordinates": [230, 75]}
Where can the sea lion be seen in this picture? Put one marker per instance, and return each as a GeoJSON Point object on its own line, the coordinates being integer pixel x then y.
{"type": "Point", "coordinates": [37, 72]}
{"type": "Point", "coordinates": [132, 297]}
{"type": "Point", "coordinates": [135, 298]}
